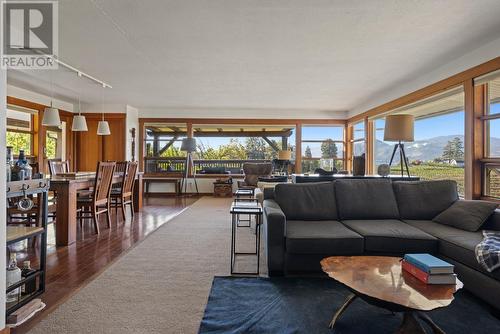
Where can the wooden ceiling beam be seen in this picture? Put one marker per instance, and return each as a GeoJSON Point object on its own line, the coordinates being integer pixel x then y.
{"type": "Point", "coordinates": [285, 133]}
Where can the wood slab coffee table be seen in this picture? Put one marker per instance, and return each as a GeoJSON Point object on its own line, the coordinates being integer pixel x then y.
{"type": "Point", "coordinates": [380, 281]}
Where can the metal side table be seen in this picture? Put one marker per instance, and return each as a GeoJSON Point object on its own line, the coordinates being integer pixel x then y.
{"type": "Point", "coordinates": [251, 208]}
{"type": "Point", "coordinates": [244, 195]}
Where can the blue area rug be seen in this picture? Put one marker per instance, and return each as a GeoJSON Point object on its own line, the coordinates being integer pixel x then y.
{"type": "Point", "coordinates": [306, 305]}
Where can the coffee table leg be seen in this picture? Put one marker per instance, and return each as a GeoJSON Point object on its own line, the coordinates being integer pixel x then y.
{"type": "Point", "coordinates": [435, 328]}
{"type": "Point", "coordinates": [341, 310]}
{"type": "Point", "coordinates": [410, 324]}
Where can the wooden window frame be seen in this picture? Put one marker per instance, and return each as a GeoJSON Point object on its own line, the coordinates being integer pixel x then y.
{"type": "Point", "coordinates": [298, 123]}
{"type": "Point", "coordinates": [343, 142]}
{"type": "Point", "coordinates": [474, 142]}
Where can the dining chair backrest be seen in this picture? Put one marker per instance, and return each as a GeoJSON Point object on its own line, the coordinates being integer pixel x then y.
{"type": "Point", "coordinates": [129, 179]}
{"type": "Point", "coordinates": [103, 181]}
{"type": "Point", "coordinates": [58, 167]}
{"type": "Point", "coordinates": [121, 166]}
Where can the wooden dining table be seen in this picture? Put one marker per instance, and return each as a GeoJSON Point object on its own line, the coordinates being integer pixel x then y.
{"type": "Point", "coordinates": [66, 188]}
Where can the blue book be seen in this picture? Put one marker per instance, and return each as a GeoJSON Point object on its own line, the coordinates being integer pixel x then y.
{"type": "Point", "coordinates": [430, 264]}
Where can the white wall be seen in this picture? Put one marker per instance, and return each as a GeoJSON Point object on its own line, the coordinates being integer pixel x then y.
{"type": "Point", "coordinates": [104, 108]}
{"type": "Point", "coordinates": [132, 121]}
{"type": "Point", "coordinates": [28, 95]}
{"type": "Point", "coordinates": [464, 62]}
{"type": "Point", "coordinates": [205, 185]}
{"type": "Point", "coordinates": [241, 113]}
{"type": "Point", "coordinates": [3, 190]}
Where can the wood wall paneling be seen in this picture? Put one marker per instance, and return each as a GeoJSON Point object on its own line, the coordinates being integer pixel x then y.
{"type": "Point", "coordinates": [91, 148]}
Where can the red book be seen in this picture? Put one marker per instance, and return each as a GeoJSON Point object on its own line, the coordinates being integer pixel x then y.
{"type": "Point", "coordinates": [415, 271]}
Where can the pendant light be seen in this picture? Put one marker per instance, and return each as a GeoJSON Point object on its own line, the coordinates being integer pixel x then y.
{"type": "Point", "coordinates": [79, 121]}
{"type": "Point", "coordinates": [103, 126]}
{"type": "Point", "coordinates": [51, 114]}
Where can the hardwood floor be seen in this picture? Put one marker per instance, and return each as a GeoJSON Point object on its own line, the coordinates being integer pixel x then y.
{"type": "Point", "coordinates": [70, 268]}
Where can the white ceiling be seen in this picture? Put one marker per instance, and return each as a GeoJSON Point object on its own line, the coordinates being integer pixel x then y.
{"type": "Point", "coordinates": [307, 54]}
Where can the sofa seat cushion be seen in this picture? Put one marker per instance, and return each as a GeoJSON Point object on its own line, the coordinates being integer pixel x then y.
{"type": "Point", "coordinates": [307, 201]}
{"type": "Point", "coordinates": [392, 236]}
{"type": "Point", "coordinates": [366, 199]}
{"type": "Point", "coordinates": [322, 237]}
{"type": "Point", "coordinates": [424, 199]}
{"type": "Point", "coordinates": [456, 244]}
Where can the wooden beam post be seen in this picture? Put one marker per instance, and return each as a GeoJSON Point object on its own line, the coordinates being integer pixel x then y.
{"type": "Point", "coordinates": [370, 146]}
{"type": "Point", "coordinates": [474, 138]}
{"type": "Point", "coordinates": [298, 148]}
{"type": "Point", "coordinates": [349, 147]}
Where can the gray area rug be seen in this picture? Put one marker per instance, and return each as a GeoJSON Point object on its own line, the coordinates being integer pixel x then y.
{"type": "Point", "coordinates": [161, 285]}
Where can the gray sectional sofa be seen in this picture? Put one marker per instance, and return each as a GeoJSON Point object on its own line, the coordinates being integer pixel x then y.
{"type": "Point", "coordinates": [304, 223]}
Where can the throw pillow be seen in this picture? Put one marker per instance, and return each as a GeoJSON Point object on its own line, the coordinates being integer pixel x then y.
{"type": "Point", "coordinates": [466, 215]}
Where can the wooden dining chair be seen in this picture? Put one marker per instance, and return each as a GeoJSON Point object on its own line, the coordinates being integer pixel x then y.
{"type": "Point", "coordinates": [125, 194]}
{"type": "Point", "coordinates": [57, 166]}
{"type": "Point", "coordinates": [99, 201]}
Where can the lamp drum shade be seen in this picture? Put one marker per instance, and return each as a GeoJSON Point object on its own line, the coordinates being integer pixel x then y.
{"type": "Point", "coordinates": [51, 117]}
{"type": "Point", "coordinates": [285, 155]}
{"type": "Point", "coordinates": [103, 128]}
{"type": "Point", "coordinates": [79, 123]}
{"type": "Point", "coordinates": [188, 145]}
{"type": "Point", "coordinates": [399, 128]}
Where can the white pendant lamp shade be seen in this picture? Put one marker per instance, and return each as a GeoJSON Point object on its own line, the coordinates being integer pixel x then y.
{"type": "Point", "coordinates": [51, 117]}
{"type": "Point", "coordinates": [79, 123]}
{"type": "Point", "coordinates": [103, 128]}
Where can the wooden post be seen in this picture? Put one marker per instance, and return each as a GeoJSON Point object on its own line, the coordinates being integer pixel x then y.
{"type": "Point", "coordinates": [474, 138]}
{"type": "Point", "coordinates": [349, 146]}
{"type": "Point", "coordinates": [369, 146]}
{"type": "Point", "coordinates": [298, 148]}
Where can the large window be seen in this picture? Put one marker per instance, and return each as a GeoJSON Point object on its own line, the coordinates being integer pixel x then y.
{"type": "Point", "coordinates": [243, 142]}
{"type": "Point", "coordinates": [322, 147]}
{"type": "Point", "coordinates": [438, 149]}
{"type": "Point", "coordinates": [164, 140]}
{"type": "Point", "coordinates": [358, 141]}
{"type": "Point", "coordinates": [490, 85]}
{"type": "Point", "coordinates": [220, 148]}
{"type": "Point", "coordinates": [19, 131]}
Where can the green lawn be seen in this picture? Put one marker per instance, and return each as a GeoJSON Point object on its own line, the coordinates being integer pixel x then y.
{"type": "Point", "coordinates": [435, 171]}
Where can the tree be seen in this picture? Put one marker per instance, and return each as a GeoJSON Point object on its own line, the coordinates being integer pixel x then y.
{"type": "Point", "coordinates": [458, 148]}
{"type": "Point", "coordinates": [448, 152]}
{"type": "Point", "coordinates": [454, 150]}
{"type": "Point", "coordinates": [19, 141]}
{"type": "Point", "coordinates": [307, 164]}
{"type": "Point", "coordinates": [329, 149]}
{"type": "Point", "coordinates": [255, 148]}
{"type": "Point", "coordinates": [234, 150]}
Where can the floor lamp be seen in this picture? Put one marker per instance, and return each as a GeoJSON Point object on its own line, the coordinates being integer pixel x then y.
{"type": "Point", "coordinates": [189, 146]}
{"type": "Point", "coordinates": [399, 128]}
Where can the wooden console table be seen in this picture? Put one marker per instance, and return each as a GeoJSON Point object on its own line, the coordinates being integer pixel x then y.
{"type": "Point", "coordinates": [151, 179]}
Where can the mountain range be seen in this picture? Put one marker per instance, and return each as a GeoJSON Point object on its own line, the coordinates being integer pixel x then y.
{"type": "Point", "coordinates": [425, 150]}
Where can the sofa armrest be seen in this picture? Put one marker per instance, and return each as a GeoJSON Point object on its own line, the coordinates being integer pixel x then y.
{"type": "Point", "coordinates": [493, 223]}
{"type": "Point", "coordinates": [274, 236]}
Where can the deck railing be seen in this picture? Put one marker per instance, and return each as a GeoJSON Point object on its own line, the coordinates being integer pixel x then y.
{"type": "Point", "coordinates": [170, 165]}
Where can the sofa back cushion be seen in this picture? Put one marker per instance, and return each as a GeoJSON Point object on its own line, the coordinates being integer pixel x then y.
{"type": "Point", "coordinates": [424, 200]}
{"type": "Point", "coordinates": [467, 215]}
{"type": "Point", "coordinates": [366, 199]}
{"type": "Point", "coordinates": [307, 201]}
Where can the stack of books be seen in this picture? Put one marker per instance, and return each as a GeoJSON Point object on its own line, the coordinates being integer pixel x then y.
{"type": "Point", "coordinates": [429, 269]}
